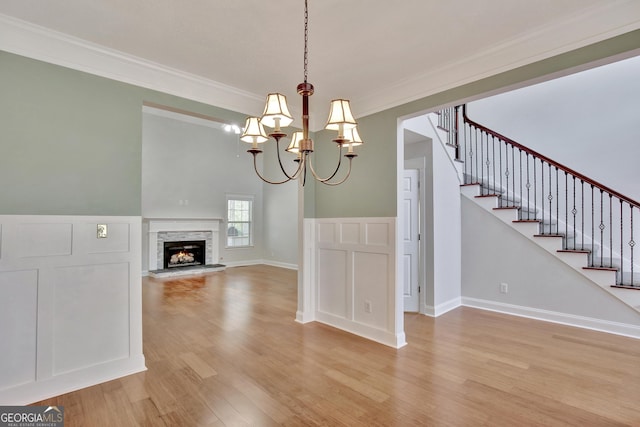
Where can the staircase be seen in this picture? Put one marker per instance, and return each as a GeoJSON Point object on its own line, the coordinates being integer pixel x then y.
{"type": "Point", "coordinates": [586, 225]}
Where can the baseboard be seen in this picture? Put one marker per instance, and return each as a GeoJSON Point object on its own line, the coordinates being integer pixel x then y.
{"type": "Point", "coordinates": [616, 328]}
{"type": "Point", "coordinates": [286, 265]}
{"type": "Point", "coordinates": [302, 317]}
{"type": "Point", "coordinates": [271, 263]}
{"type": "Point", "coordinates": [443, 308]}
{"type": "Point", "coordinates": [69, 382]}
{"type": "Point", "coordinates": [365, 331]}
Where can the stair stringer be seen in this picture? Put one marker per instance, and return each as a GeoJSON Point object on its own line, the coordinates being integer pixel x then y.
{"type": "Point", "coordinates": [600, 252]}
{"type": "Point", "coordinates": [603, 279]}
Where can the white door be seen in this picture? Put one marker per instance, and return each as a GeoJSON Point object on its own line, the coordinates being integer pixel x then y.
{"type": "Point", "coordinates": [411, 239]}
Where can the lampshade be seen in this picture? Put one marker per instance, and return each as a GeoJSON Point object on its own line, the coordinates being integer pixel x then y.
{"type": "Point", "coordinates": [353, 137]}
{"type": "Point", "coordinates": [340, 114]}
{"type": "Point", "coordinates": [276, 108]}
{"type": "Point", "coordinates": [294, 147]}
{"type": "Point", "coordinates": [253, 131]}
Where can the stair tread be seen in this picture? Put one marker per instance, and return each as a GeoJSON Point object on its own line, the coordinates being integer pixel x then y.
{"type": "Point", "coordinates": [601, 268]}
{"type": "Point", "coordinates": [586, 247]}
{"type": "Point", "coordinates": [636, 287]}
{"type": "Point", "coordinates": [575, 251]}
{"type": "Point", "coordinates": [548, 235]}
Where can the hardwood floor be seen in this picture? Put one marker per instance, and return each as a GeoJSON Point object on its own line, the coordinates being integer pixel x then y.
{"type": "Point", "coordinates": [223, 349]}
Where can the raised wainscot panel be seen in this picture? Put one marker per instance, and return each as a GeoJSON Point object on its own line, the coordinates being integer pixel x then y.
{"type": "Point", "coordinates": [91, 316]}
{"type": "Point", "coordinates": [333, 287]}
{"type": "Point", "coordinates": [117, 239]}
{"type": "Point", "coordinates": [41, 240]}
{"type": "Point", "coordinates": [18, 316]}
{"type": "Point", "coordinates": [326, 232]}
{"type": "Point", "coordinates": [378, 234]}
{"type": "Point", "coordinates": [350, 233]}
{"type": "Point", "coordinates": [371, 287]}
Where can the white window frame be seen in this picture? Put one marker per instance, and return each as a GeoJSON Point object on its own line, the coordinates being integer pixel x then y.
{"type": "Point", "coordinates": [230, 238]}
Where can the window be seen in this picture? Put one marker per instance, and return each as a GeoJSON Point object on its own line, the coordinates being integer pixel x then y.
{"type": "Point", "coordinates": [239, 221]}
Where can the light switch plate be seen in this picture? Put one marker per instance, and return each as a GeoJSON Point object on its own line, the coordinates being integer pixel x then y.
{"type": "Point", "coordinates": [102, 231]}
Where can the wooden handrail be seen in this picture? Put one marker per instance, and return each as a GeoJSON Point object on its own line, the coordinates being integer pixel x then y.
{"type": "Point", "coordinates": [548, 160]}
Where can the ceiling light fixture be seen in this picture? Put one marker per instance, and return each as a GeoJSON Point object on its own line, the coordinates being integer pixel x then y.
{"type": "Point", "coordinates": [276, 115]}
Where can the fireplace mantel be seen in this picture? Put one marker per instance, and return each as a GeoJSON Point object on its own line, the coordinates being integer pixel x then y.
{"type": "Point", "coordinates": [182, 224]}
{"type": "Point", "coordinates": [158, 225]}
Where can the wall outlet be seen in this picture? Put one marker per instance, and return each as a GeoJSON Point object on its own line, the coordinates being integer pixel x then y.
{"type": "Point", "coordinates": [504, 288]}
{"type": "Point", "coordinates": [367, 306]}
{"type": "Point", "coordinates": [101, 230]}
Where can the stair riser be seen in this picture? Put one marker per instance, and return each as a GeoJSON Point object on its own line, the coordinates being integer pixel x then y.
{"type": "Point", "coordinates": [551, 244]}
{"type": "Point", "coordinates": [488, 203]}
{"type": "Point", "coordinates": [574, 259]}
{"type": "Point", "coordinates": [470, 190]}
{"type": "Point", "coordinates": [603, 278]}
{"type": "Point", "coordinates": [506, 215]}
{"type": "Point", "coordinates": [528, 229]}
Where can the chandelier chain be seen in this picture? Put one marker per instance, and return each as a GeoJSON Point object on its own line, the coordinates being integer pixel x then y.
{"type": "Point", "coordinates": [306, 39]}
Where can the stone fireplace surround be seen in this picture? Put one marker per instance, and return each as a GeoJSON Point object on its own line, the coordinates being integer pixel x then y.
{"type": "Point", "coordinates": [179, 229]}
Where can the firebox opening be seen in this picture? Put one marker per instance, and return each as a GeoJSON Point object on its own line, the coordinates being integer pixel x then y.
{"type": "Point", "coordinates": [184, 254]}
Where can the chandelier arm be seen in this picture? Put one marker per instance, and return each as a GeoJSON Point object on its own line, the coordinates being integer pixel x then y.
{"type": "Point", "coordinates": [343, 179]}
{"type": "Point", "coordinates": [296, 173]}
{"type": "Point", "coordinates": [304, 174]}
{"type": "Point", "coordinates": [255, 167]}
{"type": "Point", "coordinates": [315, 175]}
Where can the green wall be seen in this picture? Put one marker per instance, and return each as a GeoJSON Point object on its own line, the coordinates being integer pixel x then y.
{"type": "Point", "coordinates": [71, 142]}
{"type": "Point", "coordinates": [371, 188]}
{"type": "Point", "coordinates": [371, 191]}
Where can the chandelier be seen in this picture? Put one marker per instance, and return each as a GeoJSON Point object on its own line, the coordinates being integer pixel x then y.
{"type": "Point", "coordinates": [276, 116]}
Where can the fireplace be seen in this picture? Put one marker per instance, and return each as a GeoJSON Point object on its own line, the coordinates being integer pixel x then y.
{"type": "Point", "coordinates": [184, 254]}
{"type": "Point", "coordinates": [173, 235]}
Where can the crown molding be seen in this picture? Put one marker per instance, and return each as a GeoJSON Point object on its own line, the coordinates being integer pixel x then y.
{"type": "Point", "coordinates": [593, 25]}
{"type": "Point", "coordinates": [36, 42]}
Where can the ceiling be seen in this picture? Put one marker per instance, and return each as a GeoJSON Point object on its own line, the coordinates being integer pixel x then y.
{"type": "Point", "coordinates": [377, 53]}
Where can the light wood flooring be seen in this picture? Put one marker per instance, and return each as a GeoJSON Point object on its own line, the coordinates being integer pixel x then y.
{"type": "Point", "coordinates": [223, 349]}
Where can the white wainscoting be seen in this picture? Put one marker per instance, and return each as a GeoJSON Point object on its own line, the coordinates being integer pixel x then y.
{"type": "Point", "coordinates": [70, 304]}
{"type": "Point", "coordinates": [349, 279]}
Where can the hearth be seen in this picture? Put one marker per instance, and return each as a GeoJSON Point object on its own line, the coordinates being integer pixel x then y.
{"type": "Point", "coordinates": [184, 253]}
